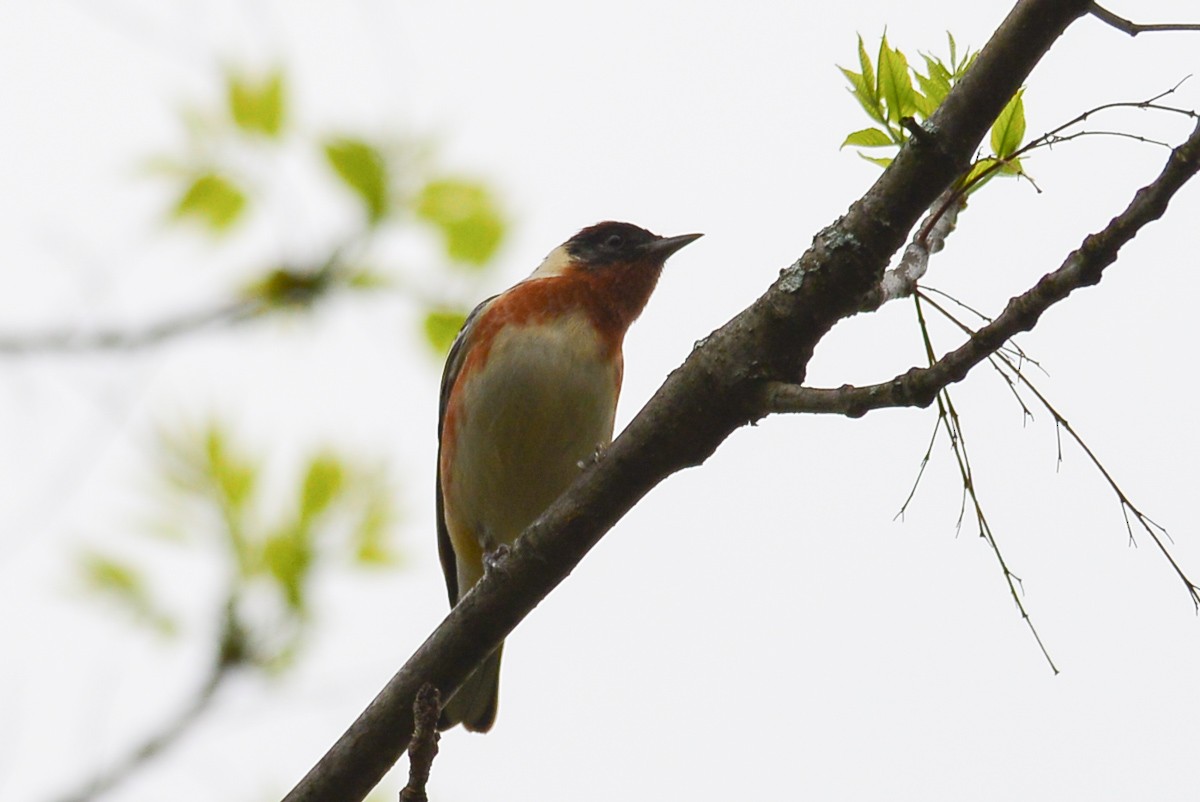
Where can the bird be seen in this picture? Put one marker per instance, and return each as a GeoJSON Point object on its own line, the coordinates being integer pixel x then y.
{"type": "Point", "coordinates": [529, 396]}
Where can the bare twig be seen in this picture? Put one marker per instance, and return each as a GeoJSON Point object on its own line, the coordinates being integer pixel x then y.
{"type": "Point", "coordinates": [1155, 530]}
{"type": "Point", "coordinates": [1134, 28]}
{"type": "Point", "coordinates": [948, 417]}
{"type": "Point", "coordinates": [912, 492]}
{"type": "Point", "coordinates": [424, 746]}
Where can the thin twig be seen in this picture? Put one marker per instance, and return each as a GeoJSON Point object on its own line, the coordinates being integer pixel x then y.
{"type": "Point", "coordinates": [912, 492]}
{"type": "Point", "coordinates": [424, 746]}
{"type": "Point", "coordinates": [956, 195]}
{"type": "Point", "coordinates": [1155, 530]}
{"type": "Point", "coordinates": [1134, 28]}
{"type": "Point", "coordinates": [952, 423]}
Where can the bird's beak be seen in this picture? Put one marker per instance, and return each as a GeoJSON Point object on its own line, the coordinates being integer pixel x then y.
{"type": "Point", "coordinates": [662, 248]}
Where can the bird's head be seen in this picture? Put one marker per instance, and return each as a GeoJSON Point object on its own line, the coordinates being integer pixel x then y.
{"type": "Point", "coordinates": [608, 243]}
{"type": "Point", "coordinates": [610, 268]}
{"type": "Point", "coordinates": [611, 245]}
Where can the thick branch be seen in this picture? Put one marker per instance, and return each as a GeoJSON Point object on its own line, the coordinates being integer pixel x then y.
{"type": "Point", "coordinates": [712, 394]}
{"type": "Point", "coordinates": [1084, 267]}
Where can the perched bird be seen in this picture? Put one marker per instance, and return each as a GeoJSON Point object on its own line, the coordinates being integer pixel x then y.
{"type": "Point", "coordinates": [528, 396]}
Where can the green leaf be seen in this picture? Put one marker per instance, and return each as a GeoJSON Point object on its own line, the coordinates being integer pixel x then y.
{"type": "Point", "coordinates": [983, 171]}
{"type": "Point", "coordinates": [257, 107]}
{"type": "Point", "coordinates": [926, 106]}
{"type": "Point", "coordinates": [936, 85]}
{"type": "Point", "coordinates": [882, 161]}
{"type": "Point", "coordinates": [363, 168]}
{"type": "Point", "coordinates": [895, 83]}
{"type": "Point", "coordinates": [122, 583]}
{"type": "Point", "coordinates": [441, 327]}
{"type": "Point", "coordinates": [868, 70]}
{"type": "Point", "coordinates": [869, 138]}
{"type": "Point", "coordinates": [1009, 129]}
{"type": "Point", "coordinates": [323, 481]}
{"type": "Point", "coordinates": [467, 216]}
{"type": "Point", "coordinates": [1012, 167]}
{"type": "Point", "coordinates": [213, 200]}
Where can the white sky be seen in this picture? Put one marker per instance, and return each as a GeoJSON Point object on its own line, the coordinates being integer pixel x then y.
{"type": "Point", "coordinates": [757, 628]}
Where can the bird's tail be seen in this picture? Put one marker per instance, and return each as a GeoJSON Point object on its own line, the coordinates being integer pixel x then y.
{"type": "Point", "coordinates": [474, 706]}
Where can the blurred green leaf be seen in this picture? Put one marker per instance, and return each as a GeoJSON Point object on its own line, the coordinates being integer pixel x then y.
{"type": "Point", "coordinates": [364, 279]}
{"type": "Point", "coordinates": [322, 483]}
{"type": "Point", "coordinates": [869, 138]}
{"type": "Point", "coordinates": [122, 583]}
{"type": "Point", "coordinates": [882, 161]}
{"type": "Point", "coordinates": [371, 535]}
{"type": "Point", "coordinates": [1008, 132]}
{"type": "Point", "coordinates": [233, 476]}
{"type": "Point", "coordinates": [213, 200]}
{"type": "Point", "coordinates": [284, 287]}
{"type": "Point", "coordinates": [441, 327]}
{"type": "Point", "coordinates": [287, 556]}
{"type": "Point", "coordinates": [363, 168]}
{"type": "Point", "coordinates": [467, 216]}
{"type": "Point", "coordinates": [257, 107]}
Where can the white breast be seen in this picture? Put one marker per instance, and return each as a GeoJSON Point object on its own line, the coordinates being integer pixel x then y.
{"type": "Point", "coordinates": [544, 403]}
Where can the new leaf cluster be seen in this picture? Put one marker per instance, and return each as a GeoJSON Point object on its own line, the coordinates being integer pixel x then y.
{"type": "Point", "coordinates": [893, 93]}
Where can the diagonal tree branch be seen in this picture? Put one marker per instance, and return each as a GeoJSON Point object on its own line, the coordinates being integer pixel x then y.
{"type": "Point", "coordinates": [1083, 267]}
{"type": "Point", "coordinates": [714, 392]}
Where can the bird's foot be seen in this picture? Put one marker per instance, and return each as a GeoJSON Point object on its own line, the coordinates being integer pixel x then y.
{"type": "Point", "coordinates": [594, 457]}
{"type": "Point", "coordinates": [493, 558]}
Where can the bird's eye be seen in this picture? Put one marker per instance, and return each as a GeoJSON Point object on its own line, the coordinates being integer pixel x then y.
{"type": "Point", "coordinates": [614, 242]}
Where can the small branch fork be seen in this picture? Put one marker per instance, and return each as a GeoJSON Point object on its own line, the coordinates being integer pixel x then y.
{"type": "Point", "coordinates": [950, 421]}
{"type": "Point", "coordinates": [1134, 28]}
{"type": "Point", "coordinates": [1013, 375]}
{"type": "Point", "coordinates": [922, 386]}
{"type": "Point", "coordinates": [1083, 267]}
{"type": "Point", "coordinates": [901, 281]}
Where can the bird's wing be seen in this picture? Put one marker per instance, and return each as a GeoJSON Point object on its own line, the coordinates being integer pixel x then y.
{"type": "Point", "coordinates": [454, 363]}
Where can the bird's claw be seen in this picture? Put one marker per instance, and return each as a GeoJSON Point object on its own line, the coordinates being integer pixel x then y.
{"type": "Point", "coordinates": [494, 557]}
{"type": "Point", "coordinates": [594, 457]}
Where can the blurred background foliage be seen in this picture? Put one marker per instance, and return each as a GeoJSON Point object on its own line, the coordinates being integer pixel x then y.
{"type": "Point", "coordinates": [217, 497]}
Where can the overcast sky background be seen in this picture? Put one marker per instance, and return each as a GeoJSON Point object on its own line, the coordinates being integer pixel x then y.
{"type": "Point", "coordinates": [757, 628]}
